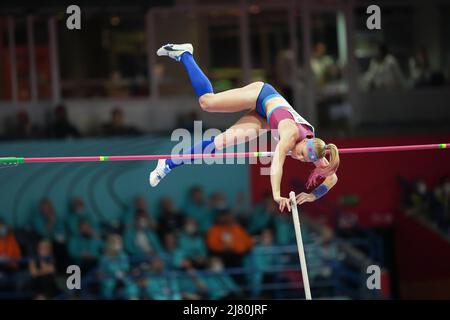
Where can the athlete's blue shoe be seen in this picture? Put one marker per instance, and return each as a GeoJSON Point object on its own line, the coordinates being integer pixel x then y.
{"type": "Point", "coordinates": [159, 173]}
{"type": "Point", "coordinates": [175, 51]}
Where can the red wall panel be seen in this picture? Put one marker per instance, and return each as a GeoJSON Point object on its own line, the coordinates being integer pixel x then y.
{"type": "Point", "coordinates": [372, 176]}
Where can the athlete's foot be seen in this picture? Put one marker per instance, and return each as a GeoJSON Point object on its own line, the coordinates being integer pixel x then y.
{"type": "Point", "coordinates": [159, 173]}
{"type": "Point", "coordinates": [175, 51]}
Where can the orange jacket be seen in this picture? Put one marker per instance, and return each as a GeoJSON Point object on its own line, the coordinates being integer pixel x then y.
{"type": "Point", "coordinates": [9, 248]}
{"type": "Point", "coordinates": [240, 241]}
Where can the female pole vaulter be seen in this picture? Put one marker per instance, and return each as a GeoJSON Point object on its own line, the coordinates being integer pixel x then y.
{"type": "Point", "coordinates": [267, 109]}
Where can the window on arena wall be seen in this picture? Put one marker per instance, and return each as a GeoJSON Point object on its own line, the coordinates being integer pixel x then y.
{"type": "Point", "coordinates": [215, 37]}
{"type": "Point", "coordinates": [5, 62]}
{"type": "Point", "coordinates": [224, 49]}
{"type": "Point", "coordinates": [270, 47]}
{"type": "Point", "coordinates": [396, 34]}
{"type": "Point", "coordinates": [444, 22]}
{"type": "Point", "coordinates": [42, 57]}
{"type": "Point", "coordinates": [106, 58]}
{"type": "Point", "coordinates": [22, 60]}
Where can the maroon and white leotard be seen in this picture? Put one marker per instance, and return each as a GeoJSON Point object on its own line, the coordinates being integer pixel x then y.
{"type": "Point", "coordinates": [305, 129]}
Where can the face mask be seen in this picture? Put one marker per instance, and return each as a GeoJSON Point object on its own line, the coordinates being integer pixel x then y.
{"type": "Point", "coordinates": [217, 267]}
{"type": "Point", "coordinates": [447, 187]}
{"type": "Point", "coordinates": [422, 188]}
{"type": "Point", "coordinates": [143, 223]}
{"type": "Point", "coordinates": [117, 247]}
{"type": "Point", "coordinates": [191, 229]}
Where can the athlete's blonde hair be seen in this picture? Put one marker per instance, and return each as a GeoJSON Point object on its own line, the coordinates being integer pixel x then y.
{"type": "Point", "coordinates": [321, 149]}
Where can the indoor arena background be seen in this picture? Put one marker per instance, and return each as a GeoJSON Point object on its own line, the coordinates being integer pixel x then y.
{"type": "Point", "coordinates": [102, 90]}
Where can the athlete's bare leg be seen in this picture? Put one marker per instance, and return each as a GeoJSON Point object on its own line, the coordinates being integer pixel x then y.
{"type": "Point", "coordinates": [233, 100]}
{"type": "Point", "coordinates": [247, 128]}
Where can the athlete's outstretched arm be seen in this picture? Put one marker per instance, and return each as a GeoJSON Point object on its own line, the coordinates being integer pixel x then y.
{"type": "Point", "coordinates": [276, 170]}
{"type": "Point", "coordinates": [322, 189]}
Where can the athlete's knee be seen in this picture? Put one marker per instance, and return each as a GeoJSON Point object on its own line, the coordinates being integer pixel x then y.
{"type": "Point", "coordinates": [257, 83]}
{"type": "Point", "coordinates": [207, 102]}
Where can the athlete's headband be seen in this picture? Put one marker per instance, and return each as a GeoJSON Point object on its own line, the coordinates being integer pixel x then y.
{"type": "Point", "coordinates": [312, 155]}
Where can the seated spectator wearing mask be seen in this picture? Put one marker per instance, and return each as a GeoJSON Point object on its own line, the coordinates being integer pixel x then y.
{"type": "Point", "coordinates": [220, 286]}
{"type": "Point", "coordinates": [141, 239]}
{"type": "Point", "coordinates": [170, 220]}
{"type": "Point", "coordinates": [78, 212]}
{"type": "Point", "coordinates": [9, 253]}
{"type": "Point", "coordinates": [113, 271]}
{"type": "Point", "coordinates": [47, 223]}
{"type": "Point", "coordinates": [43, 272]}
{"type": "Point", "coordinates": [195, 205]}
{"type": "Point", "coordinates": [228, 240]}
{"type": "Point", "coordinates": [160, 285]}
{"type": "Point", "coordinates": [85, 247]}
{"type": "Point", "coordinates": [193, 244]}
{"type": "Point", "coordinates": [261, 260]}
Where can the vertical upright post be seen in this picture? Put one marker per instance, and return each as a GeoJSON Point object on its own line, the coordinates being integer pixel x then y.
{"type": "Point", "coordinates": [12, 55]}
{"type": "Point", "coordinates": [301, 251]}
{"type": "Point", "coordinates": [54, 59]}
{"type": "Point", "coordinates": [32, 58]}
{"type": "Point", "coordinates": [244, 35]}
{"type": "Point", "coordinates": [311, 110]}
{"type": "Point", "coordinates": [292, 18]}
{"type": "Point", "coordinates": [151, 51]}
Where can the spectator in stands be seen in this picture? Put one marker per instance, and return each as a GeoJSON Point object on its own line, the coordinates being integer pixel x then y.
{"type": "Point", "coordinates": [384, 71]}
{"type": "Point", "coordinates": [228, 240]}
{"type": "Point", "coordinates": [139, 206]}
{"type": "Point", "coordinates": [193, 285]}
{"type": "Point", "coordinates": [219, 284]}
{"type": "Point", "coordinates": [113, 271]}
{"type": "Point", "coordinates": [21, 127]}
{"type": "Point", "coordinates": [78, 212]}
{"type": "Point", "coordinates": [441, 204]}
{"type": "Point", "coordinates": [43, 272]}
{"type": "Point", "coordinates": [420, 68]}
{"type": "Point", "coordinates": [323, 65]}
{"type": "Point", "coordinates": [242, 209]}
{"type": "Point", "coordinates": [116, 126]}
{"type": "Point", "coordinates": [142, 239]}
{"type": "Point", "coordinates": [61, 127]}
{"type": "Point", "coordinates": [284, 234]}
{"type": "Point", "coordinates": [48, 224]}
{"type": "Point", "coordinates": [170, 220]}
{"type": "Point", "coordinates": [420, 71]}
{"type": "Point", "coordinates": [193, 244]}
{"type": "Point", "coordinates": [217, 202]}
{"type": "Point", "coordinates": [284, 72]}
{"type": "Point", "coordinates": [85, 247]}
{"type": "Point", "coordinates": [260, 262]}
{"type": "Point", "coordinates": [420, 200]}
{"type": "Point", "coordinates": [176, 256]}
{"type": "Point", "coordinates": [9, 250]}
{"type": "Point", "coordinates": [262, 217]}
{"type": "Point", "coordinates": [196, 208]}
{"type": "Point", "coordinates": [160, 285]}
